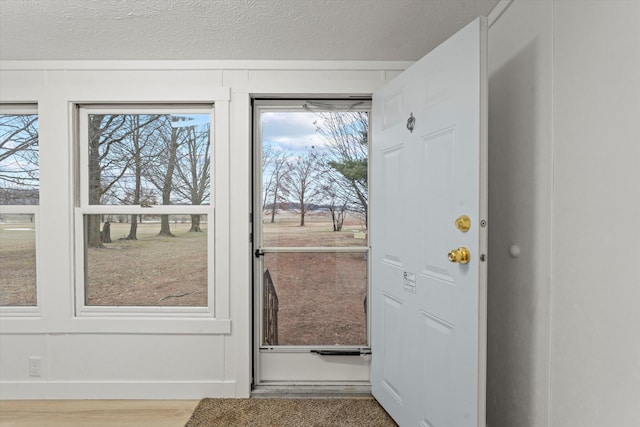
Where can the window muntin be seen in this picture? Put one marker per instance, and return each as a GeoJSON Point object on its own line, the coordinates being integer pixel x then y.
{"type": "Point", "coordinates": [145, 180]}
{"type": "Point", "coordinates": [19, 199]}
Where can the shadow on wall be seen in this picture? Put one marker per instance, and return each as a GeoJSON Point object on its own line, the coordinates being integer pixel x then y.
{"type": "Point", "coordinates": [517, 282]}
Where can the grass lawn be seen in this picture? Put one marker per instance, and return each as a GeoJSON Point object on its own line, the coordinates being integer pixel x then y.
{"type": "Point", "coordinates": [18, 262]}
{"type": "Point", "coordinates": [153, 270]}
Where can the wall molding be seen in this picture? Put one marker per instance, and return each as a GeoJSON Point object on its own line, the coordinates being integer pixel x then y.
{"type": "Point", "coordinates": [204, 65]}
{"type": "Point", "coordinates": [18, 390]}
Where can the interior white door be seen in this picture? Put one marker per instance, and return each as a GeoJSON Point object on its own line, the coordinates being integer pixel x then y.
{"type": "Point", "coordinates": [428, 169]}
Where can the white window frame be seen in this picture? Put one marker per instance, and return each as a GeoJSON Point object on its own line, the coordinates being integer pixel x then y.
{"type": "Point", "coordinates": [83, 208]}
{"type": "Point", "coordinates": [31, 310]}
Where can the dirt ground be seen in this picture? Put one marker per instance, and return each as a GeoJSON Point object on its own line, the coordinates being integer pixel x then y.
{"type": "Point", "coordinates": [321, 295]}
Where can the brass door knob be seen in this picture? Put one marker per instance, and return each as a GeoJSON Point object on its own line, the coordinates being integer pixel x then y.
{"type": "Point", "coordinates": [461, 255]}
{"type": "Point", "coordinates": [463, 223]}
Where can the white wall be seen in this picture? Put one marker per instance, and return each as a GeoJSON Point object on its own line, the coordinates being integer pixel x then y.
{"type": "Point", "coordinates": [520, 191]}
{"type": "Point", "coordinates": [179, 357]}
{"type": "Point", "coordinates": [595, 334]}
{"type": "Point", "coordinates": [564, 317]}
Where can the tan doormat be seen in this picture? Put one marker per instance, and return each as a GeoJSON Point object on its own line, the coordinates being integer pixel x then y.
{"type": "Point", "coordinates": [326, 412]}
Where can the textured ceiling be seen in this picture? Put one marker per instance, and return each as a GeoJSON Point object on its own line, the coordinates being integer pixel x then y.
{"type": "Point", "coordinates": [230, 29]}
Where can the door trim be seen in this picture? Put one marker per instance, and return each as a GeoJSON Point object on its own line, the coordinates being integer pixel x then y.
{"type": "Point", "coordinates": [321, 361]}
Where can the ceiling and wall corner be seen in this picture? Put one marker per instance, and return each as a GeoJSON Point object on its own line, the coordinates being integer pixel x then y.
{"type": "Point", "coordinates": [354, 30]}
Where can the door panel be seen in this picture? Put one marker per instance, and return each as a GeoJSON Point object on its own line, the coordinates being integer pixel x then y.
{"type": "Point", "coordinates": [437, 368]}
{"type": "Point", "coordinates": [391, 169]}
{"type": "Point", "coordinates": [428, 313]}
{"type": "Point", "coordinates": [392, 357]}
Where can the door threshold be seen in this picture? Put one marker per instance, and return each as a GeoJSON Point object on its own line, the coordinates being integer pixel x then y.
{"type": "Point", "coordinates": [310, 391]}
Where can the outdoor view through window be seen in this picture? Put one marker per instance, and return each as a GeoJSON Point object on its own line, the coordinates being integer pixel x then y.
{"type": "Point", "coordinates": [314, 226]}
{"type": "Point", "coordinates": [19, 197]}
{"type": "Point", "coordinates": [137, 250]}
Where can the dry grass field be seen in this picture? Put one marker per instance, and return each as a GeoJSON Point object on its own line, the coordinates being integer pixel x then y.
{"type": "Point", "coordinates": [321, 295]}
{"type": "Point", "coordinates": [17, 262]}
{"type": "Point", "coordinates": [153, 270]}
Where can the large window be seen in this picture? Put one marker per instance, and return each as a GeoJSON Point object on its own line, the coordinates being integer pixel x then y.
{"type": "Point", "coordinates": [19, 198]}
{"type": "Point", "coordinates": [143, 207]}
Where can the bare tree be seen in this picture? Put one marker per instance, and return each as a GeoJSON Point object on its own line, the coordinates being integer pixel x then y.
{"type": "Point", "coordinates": [346, 155]}
{"type": "Point", "coordinates": [337, 205]}
{"type": "Point", "coordinates": [142, 135]}
{"type": "Point", "coordinates": [302, 180]}
{"type": "Point", "coordinates": [19, 166]}
{"type": "Point", "coordinates": [104, 133]}
{"type": "Point", "coordinates": [274, 171]}
{"type": "Point", "coordinates": [193, 172]}
{"type": "Point", "coordinates": [116, 144]}
{"type": "Point", "coordinates": [167, 182]}
{"type": "Point", "coordinates": [169, 177]}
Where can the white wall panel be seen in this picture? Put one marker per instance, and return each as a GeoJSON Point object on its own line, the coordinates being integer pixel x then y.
{"type": "Point", "coordinates": [564, 317]}
{"type": "Point", "coordinates": [80, 357]}
{"type": "Point", "coordinates": [134, 77]}
{"type": "Point", "coordinates": [596, 288]}
{"type": "Point", "coordinates": [310, 75]}
{"type": "Point", "coordinates": [15, 351]}
{"type": "Point", "coordinates": [23, 79]}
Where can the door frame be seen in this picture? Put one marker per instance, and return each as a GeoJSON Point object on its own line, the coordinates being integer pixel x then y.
{"type": "Point", "coordinates": [287, 102]}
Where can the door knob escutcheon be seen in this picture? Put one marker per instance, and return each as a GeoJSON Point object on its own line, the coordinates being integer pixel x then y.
{"type": "Point", "coordinates": [461, 255]}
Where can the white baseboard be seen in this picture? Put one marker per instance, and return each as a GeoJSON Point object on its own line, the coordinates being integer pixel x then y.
{"type": "Point", "coordinates": [29, 390]}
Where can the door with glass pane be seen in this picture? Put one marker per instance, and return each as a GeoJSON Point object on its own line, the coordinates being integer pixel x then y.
{"type": "Point", "coordinates": [311, 242]}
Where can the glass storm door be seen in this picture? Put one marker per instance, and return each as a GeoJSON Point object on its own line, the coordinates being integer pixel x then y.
{"type": "Point", "coordinates": [311, 242]}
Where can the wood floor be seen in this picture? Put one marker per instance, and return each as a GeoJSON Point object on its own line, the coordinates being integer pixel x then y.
{"type": "Point", "coordinates": [95, 413]}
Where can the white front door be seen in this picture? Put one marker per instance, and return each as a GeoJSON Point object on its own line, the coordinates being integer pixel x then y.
{"type": "Point", "coordinates": [429, 128]}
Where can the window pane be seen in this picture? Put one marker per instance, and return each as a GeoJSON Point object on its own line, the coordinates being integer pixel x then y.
{"type": "Point", "coordinates": [18, 260]}
{"type": "Point", "coordinates": [19, 174]}
{"type": "Point", "coordinates": [144, 260]}
{"type": "Point", "coordinates": [149, 159]}
{"type": "Point", "coordinates": [317, 299]}
{"type": "Point", "coordinates": [314, 178]}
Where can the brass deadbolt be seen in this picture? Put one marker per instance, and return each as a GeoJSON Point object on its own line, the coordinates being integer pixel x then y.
{"type": "Point", "coordinates": [461, 255]}
{"type": "Point", "coordinates": [463, 223]}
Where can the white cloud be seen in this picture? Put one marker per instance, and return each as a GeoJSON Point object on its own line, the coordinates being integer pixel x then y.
{"type": "Point", "coordinates": [293, 131]}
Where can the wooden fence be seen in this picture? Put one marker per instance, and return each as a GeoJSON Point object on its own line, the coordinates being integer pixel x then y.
{"type": "Point", "coordinates": [269, 311]}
